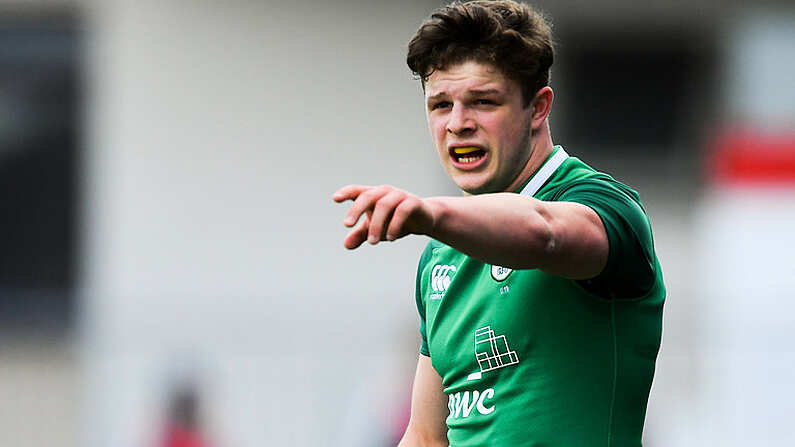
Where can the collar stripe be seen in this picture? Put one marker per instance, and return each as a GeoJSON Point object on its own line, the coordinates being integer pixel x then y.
{"type": "Point", "coordinates": [542, 175]}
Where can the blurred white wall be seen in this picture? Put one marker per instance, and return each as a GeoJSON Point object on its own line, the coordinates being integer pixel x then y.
{"type": "Point", "coordinates": [746, 358]}
{"type": "Point", "coordinates": [761, 56]}
{"type": "Point", "coordinates": [218, 132]}
{"type": "Point", "coordinates": [724, 373]}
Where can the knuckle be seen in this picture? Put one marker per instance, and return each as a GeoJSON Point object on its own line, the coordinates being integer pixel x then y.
{"type": "Point", "coordinates": [377, 192]}
{"type": "Point", "coordinates": [408, 205]}
{"type": "Point", "coordinates": [367, 197]}
{"type": "Point", "coordinates": [389, 200]}
{"type": "Point", "coordinates": [400, 209]}
{"type": "Point", "coordinates": [395, 197]}
{"type": "Point", "coordinates": [400, 213]}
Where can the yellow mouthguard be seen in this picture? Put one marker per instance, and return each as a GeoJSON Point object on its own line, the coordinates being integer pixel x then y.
{"type": "Point", "coordinates": [465, 150]}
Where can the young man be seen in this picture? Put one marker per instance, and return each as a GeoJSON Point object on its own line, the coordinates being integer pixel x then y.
{"type": "Point", "coordinates": [540, 295]}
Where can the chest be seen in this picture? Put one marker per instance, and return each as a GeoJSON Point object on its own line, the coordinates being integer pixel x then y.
{"type": "Point", "coordinates": [481, 317]}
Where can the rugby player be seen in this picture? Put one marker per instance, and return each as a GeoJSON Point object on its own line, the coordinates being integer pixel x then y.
{"type": "Point", "coordinates": [540, 295]}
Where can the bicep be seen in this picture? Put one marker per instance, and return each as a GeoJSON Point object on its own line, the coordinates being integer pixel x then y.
{"type": "Point", "coordinates": [578, 246]}
{"type": "Point", "coordinates": [427, 425]}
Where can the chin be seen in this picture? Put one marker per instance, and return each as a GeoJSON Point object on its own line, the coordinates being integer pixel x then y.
{"type": "Point", "coordinates": [472, 186]}
{"type": "Point", "coordinates": [480, 181]}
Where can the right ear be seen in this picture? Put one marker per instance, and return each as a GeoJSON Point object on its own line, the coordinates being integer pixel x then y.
{"type": "Point", "coordinates": [541, 105]}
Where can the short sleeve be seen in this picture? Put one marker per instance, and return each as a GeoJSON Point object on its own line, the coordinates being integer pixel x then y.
{"type": "Point", "coordinates": [630, 271]}
{"type": "Point", "coordinates": [421, 300]}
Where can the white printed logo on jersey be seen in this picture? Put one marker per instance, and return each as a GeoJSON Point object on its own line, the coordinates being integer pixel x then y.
{"type": "Point", "coordinates": [491, 352]}
{"type": "Point", "coordinates": [500, 273]}
{"type": "Point", "coordinates": [461, 404]}
{"type": "Point", "coordinates": [441, 279]}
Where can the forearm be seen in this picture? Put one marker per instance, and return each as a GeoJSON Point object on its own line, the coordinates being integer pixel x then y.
{"type": "Point", "coordinates": [502, 229]}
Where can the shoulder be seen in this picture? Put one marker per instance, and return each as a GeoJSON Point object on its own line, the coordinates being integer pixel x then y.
{"type": "Point", "coordinates": [580, 182]}
{"type": "Point", "coordinates": [611, 199]}
{"type": "Point", "coordinates": [572, 173]}
{"type": "Point", "coordinates": [632, 265]}
{"type": "Point", "coordinates": [578, 174]}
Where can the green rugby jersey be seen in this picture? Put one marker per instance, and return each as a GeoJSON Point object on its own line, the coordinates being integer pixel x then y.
{"type": "Point", "coordinates": [533, 359]}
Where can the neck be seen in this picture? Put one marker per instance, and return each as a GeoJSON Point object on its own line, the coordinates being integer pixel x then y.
{"type": "Point", "coordinates": [540, 148]}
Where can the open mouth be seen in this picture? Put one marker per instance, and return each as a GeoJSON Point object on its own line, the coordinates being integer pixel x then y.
{"type": "Point", "coordinates": [467, 154]}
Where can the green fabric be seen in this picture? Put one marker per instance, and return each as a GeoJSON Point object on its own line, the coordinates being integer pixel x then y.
{"type": "Point", "coordinates": [575, 360]}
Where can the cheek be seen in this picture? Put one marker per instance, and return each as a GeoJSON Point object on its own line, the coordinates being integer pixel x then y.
{"type": "Point", "coordinates": [437, 127]}
{"type": "Point", "coordinates": [498, 126]}
{"type": "Point", "coordinates": [438, 133]}
{"type": "Point", "coordinates": [511, 132]}
{"type": "Point", "coordinates": [489, 121]}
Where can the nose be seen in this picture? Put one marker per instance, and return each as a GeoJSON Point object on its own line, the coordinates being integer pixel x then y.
{"type": "Point", "coordinates": [459, 121]}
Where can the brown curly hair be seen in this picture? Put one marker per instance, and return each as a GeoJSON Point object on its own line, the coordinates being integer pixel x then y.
{"type": "Point", "coordinates": [511, 36]}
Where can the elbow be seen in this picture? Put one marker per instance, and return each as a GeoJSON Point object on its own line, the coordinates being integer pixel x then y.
{"type": "Point", "coordinates": [549, 242]}
{"type": "Point", "coordinates": [544, 240]}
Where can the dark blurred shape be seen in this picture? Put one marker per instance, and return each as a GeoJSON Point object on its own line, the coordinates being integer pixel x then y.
{"type": "Point", "coordinates": [39, 122]}
{"type": "Point", "coordinates": [633, 89]}
{"type": "Point", "coordinates": [183, 422]}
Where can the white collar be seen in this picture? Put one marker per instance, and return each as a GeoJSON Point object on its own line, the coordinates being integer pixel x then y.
{"type": "Point", "coordinates": [544, 173]}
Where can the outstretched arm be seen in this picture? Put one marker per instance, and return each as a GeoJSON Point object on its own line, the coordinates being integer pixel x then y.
{"type": "Point", "coordinates": [511, 230]}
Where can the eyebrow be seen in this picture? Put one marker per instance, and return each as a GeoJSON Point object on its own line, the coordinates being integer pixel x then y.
{"type": "Point", "coordinates": [474, 92]}
{"type": "Point", "coordinates": [484, 92]}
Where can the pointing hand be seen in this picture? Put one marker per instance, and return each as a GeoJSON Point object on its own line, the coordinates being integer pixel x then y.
{"type": "Point", "coordinates": [389, 214]}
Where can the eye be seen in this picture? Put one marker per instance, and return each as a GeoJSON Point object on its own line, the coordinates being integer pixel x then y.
{"type": "Point", "coordinates": [441, 105]}
{"type": "Point", "coordinates": [485, 102]}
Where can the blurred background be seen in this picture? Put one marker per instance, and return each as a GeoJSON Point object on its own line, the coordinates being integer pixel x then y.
{"type": "Point", "coordinates": [172, 270]}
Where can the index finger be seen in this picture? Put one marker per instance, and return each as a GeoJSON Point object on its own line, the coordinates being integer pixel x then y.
{"type": "Point", "coordinates": [349, 192]}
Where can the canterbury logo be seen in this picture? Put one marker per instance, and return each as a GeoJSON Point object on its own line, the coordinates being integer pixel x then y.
{"type": "Point", "coordinates": [440, 279]}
